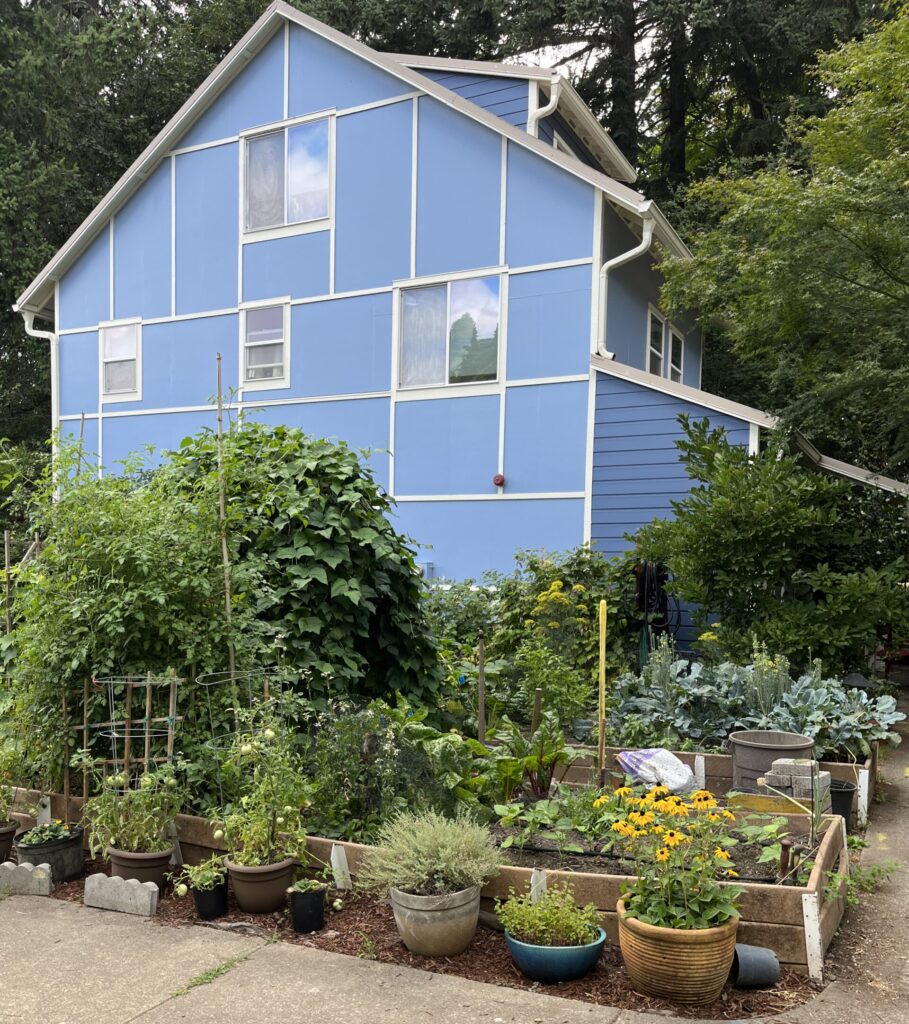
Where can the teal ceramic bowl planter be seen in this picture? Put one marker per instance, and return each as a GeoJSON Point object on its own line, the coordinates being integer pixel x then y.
{"type": "Point", "coordinates": [551, 964]}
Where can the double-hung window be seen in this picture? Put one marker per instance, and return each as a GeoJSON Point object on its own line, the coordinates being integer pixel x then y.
{"type": "Point", "coordinates": [120, 362]}
{"type": "Point", "coordinates": [676, 355]}
{"type": "Point", "coordinates": [288, 176]}
{"type": "Point", "coordinates": [665, 348]}
{"type": "Point", "coordinates": [655, 345]}
{"type": "Point", "coordinates": [266, 349]}
{"type": "Point", "coordinates": [450, 333]}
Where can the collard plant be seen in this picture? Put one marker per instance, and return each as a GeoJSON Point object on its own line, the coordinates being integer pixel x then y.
{"type": "Point", "coordinates": [339, 585]}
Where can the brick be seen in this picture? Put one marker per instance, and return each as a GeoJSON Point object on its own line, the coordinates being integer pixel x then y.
{"type": "Point", "coordinates": [124, 895]}
{"type": "Point", "coordinates": [794, 766]}
{"type": "Point", "coordinates": [26, 879]}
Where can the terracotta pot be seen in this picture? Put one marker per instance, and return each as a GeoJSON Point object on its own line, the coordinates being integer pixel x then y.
{"type": "Point", "coordinates": [437, 925]}
{"type": "Point", "coordinates": [671, 963]}
{"type": "Point", "coordinates": [261, 890]}
{"type": "Point", "coordinates": [7, 831]}
{"type": "Point", "coordinates": [145, 867]}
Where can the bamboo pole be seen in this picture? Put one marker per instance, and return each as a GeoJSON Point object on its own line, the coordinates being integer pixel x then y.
{"type": "Point", "coordinates": [481, 689]}
{"type": "Point", "coordinates": [601, 711]}
{"type": "Point", "coordinates": [148, 714]}
{"type": "Point", "coordinates": [537, 710]}
{"type": "Point", "coordinates": [66, 792]}
{"type": "Point", "coordinates": [171, 717]}
{"type": "Point", "coordinates": [225, 556]}
{"type": "Point", "coordinates": [6, 581]}
{"type": "Point", "coordinates": [85, 737]}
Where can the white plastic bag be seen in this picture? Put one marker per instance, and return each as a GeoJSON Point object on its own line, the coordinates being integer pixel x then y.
{"type": "Point", "coordinates": [657, 767]}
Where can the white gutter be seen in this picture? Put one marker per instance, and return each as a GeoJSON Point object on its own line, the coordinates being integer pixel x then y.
{"type": "Point", "coordinates": [535, 116]}
{"type": "Point", "coordinates": [648, 223]}
{"type": "Point", "coordinates": [28, 318]}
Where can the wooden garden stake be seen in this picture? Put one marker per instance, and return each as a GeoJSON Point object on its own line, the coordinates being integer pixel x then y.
{"type": "Point", "coordinates": [6, 581]}
{"type": "Point", "coordinates": [148, 718]}
{"type": "Point", "coordinates": [85, 737]}
{"type": "Point", "coordinates": [126, 724]}
{"type": "Point", "coordinates": [66, 793]}
{"type": "Point", "coordinates": [171, 716]}
{"type": "Point", "coordinates": [601, 714]}
{"type": "Point", "coordinates": [481, 689]}
{"type": "Point", "coordinates": [537, 710]}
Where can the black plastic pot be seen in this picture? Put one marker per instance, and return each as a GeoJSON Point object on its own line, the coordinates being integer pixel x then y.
{"type": "Point", "coordinates": [307, 911]}
{"type": "Point", "coordinates": [211, 903]}
{"type": "Point", "coordinates": [842, 797]}
{"type": "Point", "coordinates": [754, 967]}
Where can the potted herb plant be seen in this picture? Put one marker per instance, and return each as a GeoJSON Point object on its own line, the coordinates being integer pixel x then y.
{"type": "Point", "coordinates": [307, 905]}
{"type": "Point", "coordinates": [433, 869]}
{"type": "Point", "coordinates": [552, 939]}
{"type": "Point", "coordinates": [678, 918]}
{"type": "Point", "coordinates": [263, 830]}
{"type": "Point", "coordinates": [58, 844]}
{"type": "Point", "coordinates": [130, 823]}
{"type": "Point", "coordinates": [207, 881]}
{"type": "Point", "coordinates": [7, 825]}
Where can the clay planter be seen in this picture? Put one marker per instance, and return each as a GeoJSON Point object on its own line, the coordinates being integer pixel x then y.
{"type": "Point", "coordinates": [261, 890]}
{"type": "Point", "coordinates": [7, 831]}
{"type": "Point", "coordinates": [64, 856]}
{"type": "Point", "coordinates": [684, 966]}
{"type": "Point", "coordinates": [551, 964]}
{"type": "Point", "coordinates": [145, 867]}
{"type": "Point", "coordinates": [437, 925]}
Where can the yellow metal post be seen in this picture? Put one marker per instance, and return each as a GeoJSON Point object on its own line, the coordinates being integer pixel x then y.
{"type": "Point", "coordinates": [601, 716]}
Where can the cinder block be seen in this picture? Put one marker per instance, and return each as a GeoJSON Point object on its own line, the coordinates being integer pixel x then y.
{"type": "Point", "coordinates": [794, 766]}
{"type": "Point", "coordinates": [778, 781]}
{"type": "Point", "coordinates": [125, 895]}
{"type": "Point", "coordinates": [26, 879]}
{"type": "Point", "coordinates": [805, 786]}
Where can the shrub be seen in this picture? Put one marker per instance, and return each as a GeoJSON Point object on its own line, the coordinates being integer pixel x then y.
{"type": "Point", "coordinates": [553, 920]}
{"type": "Point", "coordinates": [429, 855]}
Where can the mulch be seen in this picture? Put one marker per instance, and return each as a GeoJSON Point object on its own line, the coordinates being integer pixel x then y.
{"type": "Point", "coordinates": [365, 928]}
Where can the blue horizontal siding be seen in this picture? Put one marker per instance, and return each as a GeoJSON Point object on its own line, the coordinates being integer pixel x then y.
{"type": "Point", "coordinates": [505, 97]}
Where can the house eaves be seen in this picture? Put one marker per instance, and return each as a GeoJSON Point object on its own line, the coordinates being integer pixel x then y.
{"type": "Point", "coordinates": [38, 296]}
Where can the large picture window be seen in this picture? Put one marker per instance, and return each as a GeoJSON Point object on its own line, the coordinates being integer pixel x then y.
{"type": "Point", "coordinates": [265, 348]}
{"type": "Point", "coordinates": [120, 361]}
{"type": "Point", "coordinates": [450, 333]}
{"type": "Point", "coordinates": [287, 176]}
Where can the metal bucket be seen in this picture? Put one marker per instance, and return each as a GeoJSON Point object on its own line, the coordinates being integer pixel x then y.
{"type": "Point", "coordinates": [755, 750]}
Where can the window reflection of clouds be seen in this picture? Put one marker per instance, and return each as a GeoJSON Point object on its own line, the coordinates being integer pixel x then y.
{"type": "Point", "coordinates": [307, 171]}
{"type": "Point", "coordinates": [473, 327]}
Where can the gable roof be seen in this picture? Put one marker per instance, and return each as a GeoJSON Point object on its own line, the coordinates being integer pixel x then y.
{"type": "Point", "coordinates": [571, 106]}
{"type": "Point", "coordinates": [38, 296]}
{"type": "Point", "coordinates": [834, 467]}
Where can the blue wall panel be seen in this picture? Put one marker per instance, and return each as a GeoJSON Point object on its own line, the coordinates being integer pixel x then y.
{"type": "Point", "coordinates": [459, 177]}
{"type": "Point", "coordinates": [546, 437]}
{"type": "Point", "coordinates": [123, 435]}
{"type": "Point", "coordinates": [207, 229]}
{"type": "Point", "coordinates": [179, 365]}
{"type": "Point", "coordinates": [446, 445]}
{"type": "Point", "coordinates": [296, 266]}
{"type": "Point", "coordinates": [142, 250]}
{"type": "Point", "coordinates": [372, 209]}
{"type": "Point", "coordinates": [550, 211]}
{"type": "Point", "coordinates": [556, 123]}
{"type": "Point", "coordinates": [691, 365]}
{"type": "Point", "coordinates": [637, 471]}
{"type": "Point", "coordinates": [549, 323]}
{"type": "Point", "coordinates": [506, 97]}
{"type": "Point", "coordinates": [79, 371]}
{"type": "Point", "coordinates": [255, 97]}
{"type": "Point", "coordinates": [342, 346]}
{"type": "Point", "coordinates": [324, 75]}
{"type": "Point", "coordinates": [463, 539]}
{"type": "Point", "coordinates": [361, 422]}
{"type": "Point", "coordinates": [69, 429]}
{"type": "Point", "coordinates": [85, 288]}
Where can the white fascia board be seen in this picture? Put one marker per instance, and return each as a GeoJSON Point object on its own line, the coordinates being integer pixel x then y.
{"type": "Point", "coordinates": [477, 67]}
{"type": "Point", "coordinates": [37, 295]}
{"type": "Point", "coordinates": [684, 392]}
{"type": "Point", "coordinates": [846, 471]}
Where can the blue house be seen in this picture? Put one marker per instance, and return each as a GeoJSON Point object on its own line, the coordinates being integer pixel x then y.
{"type": "Point", "coordinates": [443, 261]}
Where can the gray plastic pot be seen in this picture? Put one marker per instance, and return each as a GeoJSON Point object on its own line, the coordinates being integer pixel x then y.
{"type": "Point", "coordinates": [755, 750]}
{"type": "Point", "coordinates": [261, 889]}
{"type": "Point", "coordinates": [437, 925]}
{"type": "Point", "coordinates": [64, 856]}
{"type": "Point", "coordinates": [754, 967]}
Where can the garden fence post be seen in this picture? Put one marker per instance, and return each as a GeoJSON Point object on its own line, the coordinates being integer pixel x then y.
{"type": "Point", "coordinates": [481, 688]}
{"type": "Point", "coordinates": [6, 581]}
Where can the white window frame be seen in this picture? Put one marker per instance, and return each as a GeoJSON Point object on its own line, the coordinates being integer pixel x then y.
{"type": "Point", "coordinates": [272, 383]}
{"type": "Point", "coordinates": [433, 282]}
{"type": "Point", "coordinates": [109, 397]}
{"type": "Point", "coordinates": [655, 314]}
{"type": "Point", "coordinates": [559, 143]}
{"type": "Point", "coordinates": [297, 227]}
{"type": "Point", "coordinates": [668, 332]}
{"type": "Point", "coordinates": [673, 332]}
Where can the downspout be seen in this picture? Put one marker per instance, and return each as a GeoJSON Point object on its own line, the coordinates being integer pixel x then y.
{"type": "Point", "coordinates": [617, 261]}
{"type": "Point", "coordinates": [535, 116]}
{"type": "Point", "coordinates": [29, 320]}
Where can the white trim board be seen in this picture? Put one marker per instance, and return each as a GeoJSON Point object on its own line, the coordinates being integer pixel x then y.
{"type": "Point", "coordinates": [39, 292]}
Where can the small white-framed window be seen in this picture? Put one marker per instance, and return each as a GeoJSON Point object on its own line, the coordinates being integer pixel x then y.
{"type": "Point", "coordinates": [449, 332]}
{"type": "Point", "coordinates": [676, 355]}
{"type": "Point", "coordinates": [121, 361]}
{"type": "Point", "coordinates": [265, 346]}
{"type": "Point", "coordinates": [288, 176]}
{"type": "Point", "coordinates": [655, 331]}
{"type": "Point", "coordinates": [562, 146]}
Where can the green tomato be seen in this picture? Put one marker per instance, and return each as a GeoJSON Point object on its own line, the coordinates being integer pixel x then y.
{"type": "Point", "coordinates": [246, 749]}
{"type": "Point", "coordinates": [171, 783]}
{"type": "Point", "coordinates": [146, 782]}
{"type": "Point", "coordinates": [288, 809]}
{"type": "Point", "coordinates": [279, 821]}
{"type": "Point", "coordinates": [269, 734]}
{"type": "Point", "coordinates": [218, 834]}
{"type": "Point", "coordinates": [181, 890]}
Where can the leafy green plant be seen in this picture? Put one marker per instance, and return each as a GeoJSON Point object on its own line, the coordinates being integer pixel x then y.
{"type": "Point", "coordinates": [202, 877]}
{"type": "Point", "coordinates": [429, 855]}
{"type": "Point", "coordinates": [48, 833]}
{"type": "Point", "coordinates": [859, 881]}
{"type": "Point", "coordinates": [566, 691]}
{"type": "Point", "coordinates": [309, 885]}
{"type": "Point", "coordinates": [553, 919]}
{"type": "Point", "coordinates": [545, 819]}
{"type": "Point", "coordinates": [533, 759]}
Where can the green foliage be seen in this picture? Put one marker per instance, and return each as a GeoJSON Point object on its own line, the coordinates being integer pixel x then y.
{"type": "Point", "coordinates": [202, 877]}
{"type": "Point", "coordinates": [812, 565]}
{"type": "Point", "coordinates": [567, 692]}
{"type": "Point", "coordinates": [859, 881]}
{"type": "Point", "coordinates": [429, 855]}
{"type": "Point", "coordinates": [309, 885]}
{"type": "Point", "coordinates": [49, 833]}
{"type": "Point", "coordinates": [532, 759]}
{"type": "Point", "coordinates": [554, 919]}
{"type": "Point", "coordinates": [133, 820]}
{"type": "Point", "coordinates": [544, 819]}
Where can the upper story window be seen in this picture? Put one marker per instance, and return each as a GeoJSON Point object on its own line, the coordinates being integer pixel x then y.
{"type": "Point", "coordinates": [665, 348]}
{"type": "Point", "coordinates": [562, 146]}
{"type": "Point", "coordinates": [120, 361]}
{"type": "Point", "coordinates": [266, 348]}
{"type": "Point", "coordinates": [450, 333]}
{"type": "Point", "coordinates": [287, 176]}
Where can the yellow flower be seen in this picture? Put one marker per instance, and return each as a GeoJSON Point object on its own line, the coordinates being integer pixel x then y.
{"type": "Point", "coordinates": [623, 828]}
{"type": "Point", "coordinates": [662, 855]}
{"type": "Point", "coordinates": [673, 838]}
{"type": "Point", "coordinates": [552, 625]}
{"type": "Point", "coordinates": [713, 817]}
{"type": "Point", "coordinates": [658, 791]}
{"type": "Point", "coordinates": [600, 800]}
{"type": "Point", "coordinates": [623, 791]}
{"type": "Point", "coordinates": [728, 815]}
{"type": "Point", "coordinates": [709, 635]}
{"type": "Point", "coordinates": [557, 585]}
{"type": "Point", "coordinates": [658, 830]}
{"type": "Point", "coordinates": [579, 588]}
{"type": "Point", "coordinates": [641, 817]}
{"type": "Point", "coordinates": [731, 874]}
{"type": "Point", "coordinates": [721, 854]}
